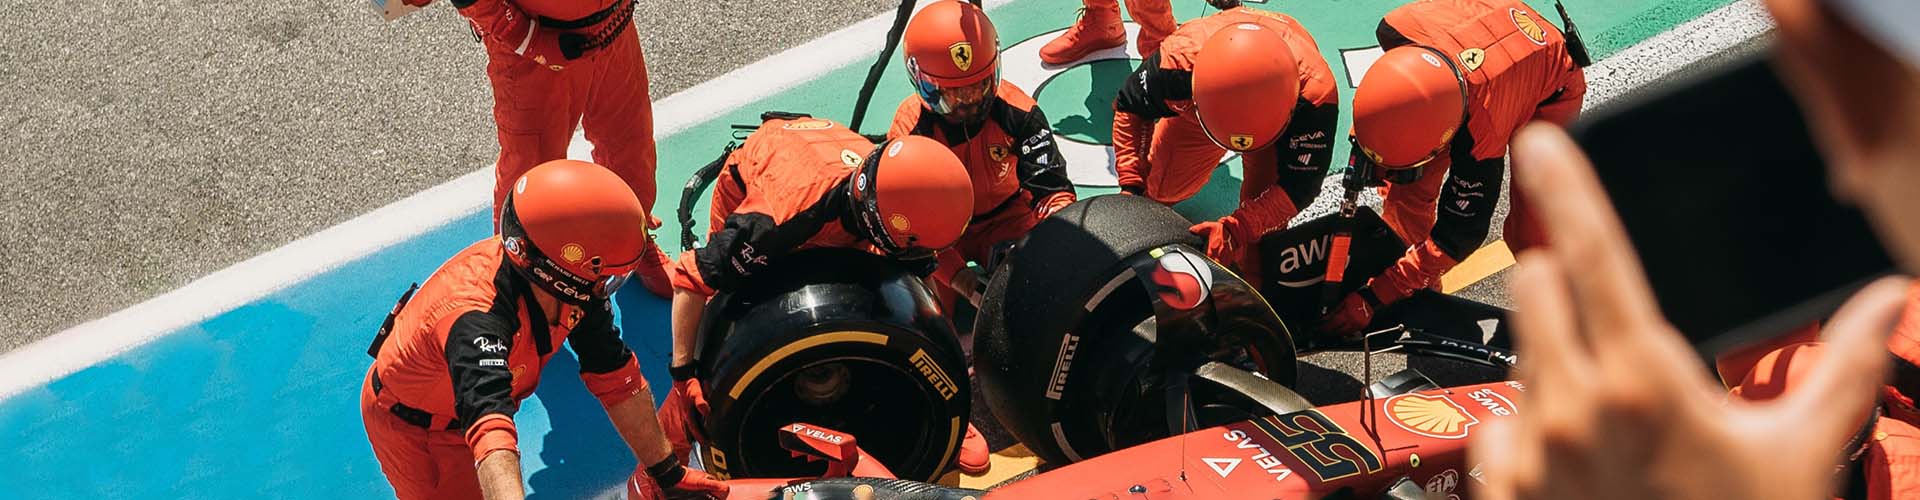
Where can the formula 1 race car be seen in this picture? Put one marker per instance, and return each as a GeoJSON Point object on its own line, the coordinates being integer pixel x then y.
{"type": "Point", "coordinates": [1187, 399]}
{"type": "Point", "coordinates": [1156, 373]}
{"type": "Point", "coordinates": [1108, 344]}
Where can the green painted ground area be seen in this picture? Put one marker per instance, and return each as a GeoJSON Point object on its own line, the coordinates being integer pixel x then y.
{"type": "Point", "coordinates": [1077, 99]}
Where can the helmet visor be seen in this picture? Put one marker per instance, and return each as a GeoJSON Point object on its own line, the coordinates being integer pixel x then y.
{"type": "Point", "coordinates": [957, 103]}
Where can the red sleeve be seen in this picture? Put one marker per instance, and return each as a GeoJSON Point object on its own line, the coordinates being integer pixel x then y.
{"type": "Point", "coordinates": [1564, 105]}
{"type": "Point", "coordinates": [906, 117]}
{"type": "Point", "coordinates": [1131, 135]}
{"type": "Point", "coordinates": [686, 275]}
{"type": "Point", "coordinates": [492, 433]}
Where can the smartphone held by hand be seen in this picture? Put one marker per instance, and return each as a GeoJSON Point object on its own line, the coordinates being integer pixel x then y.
{"type": "Point", "coordinates": [1726, 201]}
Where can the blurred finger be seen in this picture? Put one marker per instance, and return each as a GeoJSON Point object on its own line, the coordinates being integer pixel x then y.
{"type": "Point", "coordinates": [1545, 323]}
{"type": "Point", "coordinates": [1580, 224]}
{"type": "Point", "coordinates": [1494, 448]}
{"type": "Point", "coordinates": [1853, 363]}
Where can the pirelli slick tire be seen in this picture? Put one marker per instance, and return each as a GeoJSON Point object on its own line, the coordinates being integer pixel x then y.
{"type": "Point", "coordinates": [1072, 340]}
{"type": "Point", "coordinates": [841, 339]}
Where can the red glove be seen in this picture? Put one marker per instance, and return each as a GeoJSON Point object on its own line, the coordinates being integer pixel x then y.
{"type": "Point", "coordinates": [1353, 314]}
{"type": "Point", "coordinates": [1416, 270]}
{"type": "Point", "coordinates": [1270, 210]}
{"type": "Point", "coordinates": [683, 482]}
{"type": "Point", "coordinates": [1224, 238]}
{"type": "Point", "coordinates": [1053, 203]}
{"type": "Point", "coordinates": [502, 23]}
{"type": "Point", "coordinates": [678, 416]}
{"type": "Point", "coordinates": [1420, 268]}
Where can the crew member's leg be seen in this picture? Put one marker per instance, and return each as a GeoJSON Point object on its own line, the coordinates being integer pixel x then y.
{"type": "Point", "coordinates": [1155, 18]}
{"type": "Point", "coordinates": [618, 119]}
{"type": "Point", "coordinates": [419, 464]}
{"type": "Point", "coordinates": [532, 117]}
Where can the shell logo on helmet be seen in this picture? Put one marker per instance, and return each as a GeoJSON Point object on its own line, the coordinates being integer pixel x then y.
{"type": "Point", "coordinates": [808, 125]}
{"type": "Point", "coordinates": [900, 223]}
{"type": "Point", "coordinates": [1430, 415]}
{"type": "Point", "coordinates": [1527, 26]}
{"type": "Point", "coordinates": [962, 53]}
{"type": "Point", "coordinates": [573, 253]}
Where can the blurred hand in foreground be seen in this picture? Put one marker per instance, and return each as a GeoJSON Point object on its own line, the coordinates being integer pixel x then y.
{"type": "Point", "coordinates": [1617, 405]}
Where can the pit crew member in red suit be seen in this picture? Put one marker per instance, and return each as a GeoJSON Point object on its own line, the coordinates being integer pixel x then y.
{"type": "Point", "coordinates": [997, 131]}
{"type": "Point", "coordinates": [805, 183]}
{"type": "Point", "coordinates": [1458, 78]}
{"type": "Point", "coordinates": [557, 63]}
{"type": "Point", "coordinates": [456, 358]}
{"type": "Point", "coordinates": [1243, 80]}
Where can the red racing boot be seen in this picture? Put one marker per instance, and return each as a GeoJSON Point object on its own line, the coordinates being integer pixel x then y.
{"type": "Point", "coordinates": [1098, 28]}
{"type": "Point", "coordinates": [973, 453]}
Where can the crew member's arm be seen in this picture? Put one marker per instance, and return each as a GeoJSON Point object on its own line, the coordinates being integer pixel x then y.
{"type": "Point", "coordinates": [747, 243]}
{"type": "Point", "coordinates": [1041, 169]}
{"type": "Point", "coordinates": [1563, 106]}
{"type": "Point", "coordinates": [1140, 102]}
{"type": "Point", "coordinates": [504, 24]}
{"type": "Point", "coordinates": [907, 119]}
{"type": "Point", "coordinates": [477, 350]}
{"type": "Point", "coordinates": [612, 374]}
{"type": "Point", "coordinates": [1283, 177]}
{"type": "Point", "coordinates": [1464, 216]}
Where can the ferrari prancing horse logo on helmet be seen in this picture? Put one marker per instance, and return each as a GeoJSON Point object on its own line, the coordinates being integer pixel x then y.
{"type": "Point", "coordinates": [1240, 142]}
{"type": "Point", "coordinates": [850, 158]}
{"type": "Point", "coordinates": [962, 53]}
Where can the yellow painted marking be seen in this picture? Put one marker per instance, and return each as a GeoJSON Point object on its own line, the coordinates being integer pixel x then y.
{"type": "Point", "coordinates": [801, 345]}
{"type": "Point", "coordinates": [1483, 263]}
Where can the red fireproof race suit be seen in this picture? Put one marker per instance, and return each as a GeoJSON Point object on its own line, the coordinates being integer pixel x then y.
{"type": "Point", "coordinates": [536, 108]}
{"type": "Point", "coordinates": [1017, 171]}
{"type": "Point", "coordinates": [463, 353]}
{"type": "Point", "coordinates": [1517, 70]}
{"type": "Point", "coordinates": [1887, 467]}
{"type": "Point", "coordinates": [778, 193]}
{"type": "Point", "coordinates": [1161, 152]}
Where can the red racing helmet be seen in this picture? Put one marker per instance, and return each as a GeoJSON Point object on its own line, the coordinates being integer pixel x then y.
{"type": "Point", "coordinates": [1245, 83]}
{"type": "Point", "coordinates": [953, 58]}
{"type": "Point", "coordinates": [911, 197]}
{"type": "Point", "coordinates": [574, 229]}
{"type": "Point", "coordinates": [1408, 107]}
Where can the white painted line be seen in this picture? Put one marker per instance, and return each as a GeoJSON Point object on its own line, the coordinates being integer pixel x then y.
{"type": "Point", "coordinates": [88, 343]}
